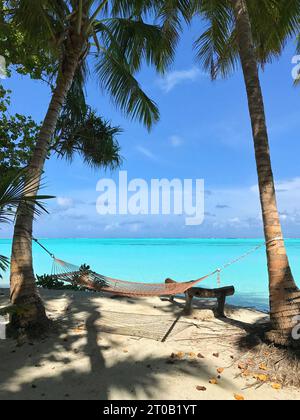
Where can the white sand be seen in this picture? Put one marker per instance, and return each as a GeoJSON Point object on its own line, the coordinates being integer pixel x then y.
{"type": "Point", "coordinates": [80, 361]}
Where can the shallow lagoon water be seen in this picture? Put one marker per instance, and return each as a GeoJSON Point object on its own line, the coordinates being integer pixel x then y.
{"type": "Point", "coordinates": [153, 260]}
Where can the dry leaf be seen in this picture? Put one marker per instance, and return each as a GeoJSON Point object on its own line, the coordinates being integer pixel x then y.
{"type": "Point", "coordinates": [262, 378]}
{"type": "Point", "coordinates": [77, 330]}
{"type": "Point", "coordinates": [242, 366]}
{"type": "Point", "coordinates": [276, 386]}
{"type": "Point", "coordinates": [239, 397]}
{"type": "Point", "coordinates": [200, 356]}
{"type": "Point", "coordinates": [246, 373]}
{"type": "Point", "coordinates": [217, 355]}
{"type": "Point", "coordinates": [201, 388]}
{"type": "Point", "coordinates": [180, 355]}
{"type": "Point", "coordinates": [262, 366]}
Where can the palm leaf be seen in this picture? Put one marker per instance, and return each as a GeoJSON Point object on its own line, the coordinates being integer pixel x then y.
{"type": "Point", "coordinates": [4, 263]}
{"type": "Point", "coordinates": [273, 23]}
{"type": "Point", "coordinates": [138, 41]}
{"type": "Point", "coordinates": [20, 189]}
{"type": "Point", "coordinates": [116, 77]}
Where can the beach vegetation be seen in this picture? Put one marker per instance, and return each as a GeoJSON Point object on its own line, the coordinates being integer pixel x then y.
{"type": "Point", "coordinates": [12, 195]}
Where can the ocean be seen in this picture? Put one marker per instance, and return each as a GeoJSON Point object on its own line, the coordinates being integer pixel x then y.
{"type": "Point", "coordinates": [154, 260]}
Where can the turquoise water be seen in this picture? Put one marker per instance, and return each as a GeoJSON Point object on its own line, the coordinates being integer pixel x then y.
{"type": "Point", "coordinates": [153, 260]}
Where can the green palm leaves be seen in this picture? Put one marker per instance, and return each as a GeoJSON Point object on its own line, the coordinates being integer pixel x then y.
{"type": "Point", "coordinates": [12, 194]}
{"type": "Point", "coordinates": [273, 23]}
{"type": "Point", "coordinates": [14, 190]}
{"type": "Point", "coordinates": [116, 34]}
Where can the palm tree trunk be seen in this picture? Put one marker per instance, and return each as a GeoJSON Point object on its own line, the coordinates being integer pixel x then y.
{"type": "Point", "coordinates": [284, 294]}
{"type": "Point", "coordinates": [22, 278]}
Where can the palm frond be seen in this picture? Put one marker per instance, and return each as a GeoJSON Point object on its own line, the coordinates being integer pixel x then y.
{"type": "Point", "coordinates": [216, 47]}
{"type": "Point", "coordinates": [40, 20]}
{"type": "Point", "coordinates": [273, 22]}
{"type": "Point", "coordinates": [4, 264]}
{"type": "Point", "coordinates": [20, 189]}
{"type": "Point", "coordinates": [138, 41]}
{"type": "Point", "coordinates": [116, 77]}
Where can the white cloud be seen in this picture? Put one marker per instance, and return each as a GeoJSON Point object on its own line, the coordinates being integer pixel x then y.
{"type": "Point", "coordinates": [234, 220]}
{"type": "Point", "coordinates": [111, 227]}
{"type": "Point", "coordinates": [176, 141]}
{"type": "Point", "coordinates": [174, 78]}
{"type": "Point", "coordinates": [146, 152]}
{"type": "Point", "coordinates": [65, 202]}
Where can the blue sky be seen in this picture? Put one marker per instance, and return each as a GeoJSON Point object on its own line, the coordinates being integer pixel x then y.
{"type": "Point", "coordinates": [204, 133]}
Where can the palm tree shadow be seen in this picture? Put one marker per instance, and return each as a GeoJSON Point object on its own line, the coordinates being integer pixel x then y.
{"type": "Point", "coordinates": [136, 375]}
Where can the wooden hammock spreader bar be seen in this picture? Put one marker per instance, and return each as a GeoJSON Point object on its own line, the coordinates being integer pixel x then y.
{"type": "Point", "coordinates": [198, 292]}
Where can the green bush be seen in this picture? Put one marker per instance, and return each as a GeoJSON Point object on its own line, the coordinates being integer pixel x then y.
{"type": "Point", "coordinates": [51, 282]}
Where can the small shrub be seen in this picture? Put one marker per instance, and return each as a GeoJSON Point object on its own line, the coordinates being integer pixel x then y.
{"type": "Point", "coordinates": [52, 283]}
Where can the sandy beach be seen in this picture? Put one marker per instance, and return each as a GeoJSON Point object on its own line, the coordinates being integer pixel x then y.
{"type": "Point", "coordinates": [107, 348]}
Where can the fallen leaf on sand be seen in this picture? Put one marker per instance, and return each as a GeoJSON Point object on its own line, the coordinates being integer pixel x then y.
{"type": "Point", "coordinates": [262, 366]}
{"type": "Point", "coordinates": [201, 388]}
{"type": "Point", "coordinates": [213, 381]}
{"type": "Point", "coordinates": [261, 378]}
{"type": "Point", "coordinates": [246, 373]}
{"type": "Point", "coordinates": [217, 355]}
{"type": "Point", "coordinates": [78, 330]}
{"type": "Point", "coordinates": [242, 366]}
{"type": "Point", "coordinates": [180, 355]}
{"type": "Point", "coordinates": [220, 370]}
{"type": "Point", "coordinates": [276, 386]}
{"type": "Point", "coordinates": [239, 397]}
{"type": "Point", "coordinates": [200, 356]}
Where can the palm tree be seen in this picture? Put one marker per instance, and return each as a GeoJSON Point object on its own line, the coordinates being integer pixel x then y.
{"type": "Point", "coordinates": [253, 33]}
{"type": "Point", "coordinates": [116, 36]}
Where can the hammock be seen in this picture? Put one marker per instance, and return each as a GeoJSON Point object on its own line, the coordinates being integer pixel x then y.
{"type": "Point", "coordinates": [86, 278]}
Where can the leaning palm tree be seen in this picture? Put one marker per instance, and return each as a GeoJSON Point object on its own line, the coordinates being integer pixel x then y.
{"type": "Point", "coordinates": [117, 37]}
{"type": "Point", "coordinates": [252, 33]}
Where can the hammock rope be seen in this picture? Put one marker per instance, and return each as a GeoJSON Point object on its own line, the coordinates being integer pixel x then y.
{"type": "Point", "coordinates": [87, 278]}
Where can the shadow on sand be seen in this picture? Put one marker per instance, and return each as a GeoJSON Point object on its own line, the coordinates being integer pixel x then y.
{"type": "Point", "coordinates": [73, 364]}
